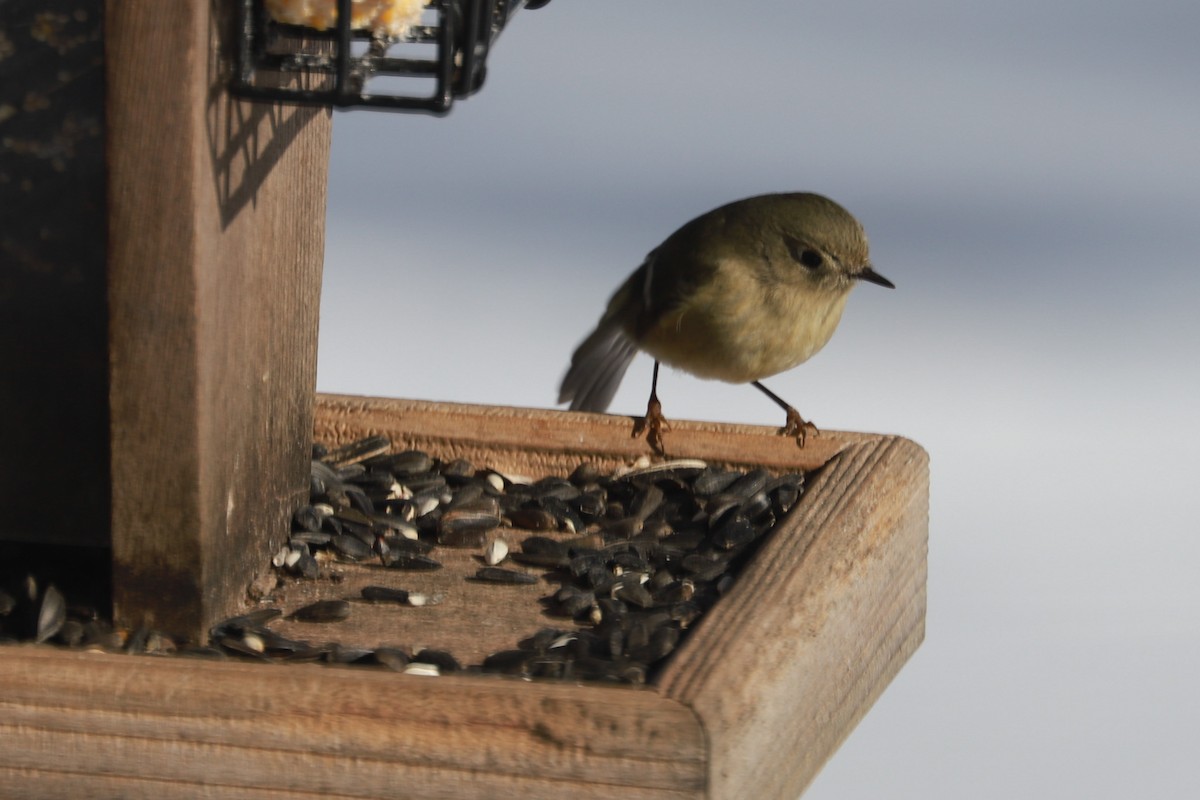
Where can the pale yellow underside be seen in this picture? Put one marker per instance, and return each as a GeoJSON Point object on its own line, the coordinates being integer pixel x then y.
{"type": "Point", "coordinates": [733, 329]}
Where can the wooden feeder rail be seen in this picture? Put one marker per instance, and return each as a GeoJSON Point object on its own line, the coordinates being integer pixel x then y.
{"type": "Point", "coordinates": [754, 701]}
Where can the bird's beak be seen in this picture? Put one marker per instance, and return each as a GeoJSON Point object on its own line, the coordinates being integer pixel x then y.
{"type": "Point", "coordinates": [869, 274]}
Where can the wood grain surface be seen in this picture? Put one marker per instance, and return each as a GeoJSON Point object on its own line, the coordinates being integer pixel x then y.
{"type": "Point", "coordinates": [542, 442]}
{"type": "Point", "coordinates": [175, 727]}
{"type": "Point", "coordinates": [216, 243]}
{"type": "Point", "coordinates": [783, 667]}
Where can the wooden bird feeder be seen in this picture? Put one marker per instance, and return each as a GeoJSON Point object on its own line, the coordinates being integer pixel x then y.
{"type": "Point", "coordinates": [185, 228]}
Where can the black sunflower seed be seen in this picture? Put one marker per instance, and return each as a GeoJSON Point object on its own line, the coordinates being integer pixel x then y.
{"type": "Point", "coordinates": [351, 547]}
{"type": "Point", "coordinates": [384, 594]}
{"type": "Point", "coordinates": [533, 518]}
{"type": "Point", "coordinates": [322, 611]}
{"type": "Point", "coordinates": [502, 575]}
{"type": "Point", "coordinates": [444, 661]}
{"type": "Point", "coordinates": [409, 462]}
{"type": "Point", "coordinates": [414, 561]}
{"type": "Point", "coordinates": [357, 451]}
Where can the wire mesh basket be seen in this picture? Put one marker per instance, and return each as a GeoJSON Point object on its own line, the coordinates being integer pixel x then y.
{"type": "Point", "coordinates": [340, 57]}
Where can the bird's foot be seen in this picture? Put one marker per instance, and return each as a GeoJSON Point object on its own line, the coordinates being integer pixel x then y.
{"type": "Point", "coordinates": [652, 425]}
{"type": "Point", "coordinates": [797, 427]}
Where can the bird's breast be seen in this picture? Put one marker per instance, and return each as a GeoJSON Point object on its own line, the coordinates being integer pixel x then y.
{"type": "Point", "coordinates": [736, 329]}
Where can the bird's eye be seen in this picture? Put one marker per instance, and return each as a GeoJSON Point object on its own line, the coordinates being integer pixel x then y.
{"type": "Point", "coordinates": [810, 258]}
{"type": "Point", "coordinates": [807, 256]}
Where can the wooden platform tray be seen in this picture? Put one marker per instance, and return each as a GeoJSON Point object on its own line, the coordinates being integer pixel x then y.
{"type": "Point", "coordinates": [754, 701]}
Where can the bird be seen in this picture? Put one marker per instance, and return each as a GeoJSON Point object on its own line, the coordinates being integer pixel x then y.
{"type": "Point", "coordinates": [743, 292]}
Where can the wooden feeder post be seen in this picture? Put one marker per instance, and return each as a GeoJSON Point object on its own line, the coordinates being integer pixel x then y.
{"type": "Point", "coordinates": [216, 240]}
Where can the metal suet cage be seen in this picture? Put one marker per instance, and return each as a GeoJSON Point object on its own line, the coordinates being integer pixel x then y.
{"type": "Point", "coordinates": [424, 67]}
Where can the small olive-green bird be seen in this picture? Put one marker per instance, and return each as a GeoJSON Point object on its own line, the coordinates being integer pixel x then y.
{"type": "Point", "coordinates": [746, 291]}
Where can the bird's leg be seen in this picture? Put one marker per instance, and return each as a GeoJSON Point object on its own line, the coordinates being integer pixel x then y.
{"type": "Point", "coordinates": [654, 423]}
{"type": "Point", "coordinates": [795, 425]}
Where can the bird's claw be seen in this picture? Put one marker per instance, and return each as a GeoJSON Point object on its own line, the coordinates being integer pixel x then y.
{"type": "Point", "coordinates": [798, 427]}
{"type": "Point", "coordinates": [652, 425]}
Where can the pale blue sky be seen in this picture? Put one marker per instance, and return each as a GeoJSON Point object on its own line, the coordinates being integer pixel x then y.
{"type": "Point", "coordinates": [1028, 175]}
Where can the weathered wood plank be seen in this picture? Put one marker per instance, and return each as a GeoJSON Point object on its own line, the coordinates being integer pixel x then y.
{"type": "Point", "coordinates": [540, 441]}
{"type": "Point", "coordinates": [216, 242]}
{"type": "Point", "coordinates": [816, 626]}
{"type": "Point", "coordinates": [359, 733]}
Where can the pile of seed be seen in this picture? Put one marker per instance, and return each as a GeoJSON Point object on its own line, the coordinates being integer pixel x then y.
{"type": "Point", "coordinates": [33, 609]}
{"type": "Point", "coordinates": [633, 559]}
{"type": "Point", "coordinates": [637, 557]}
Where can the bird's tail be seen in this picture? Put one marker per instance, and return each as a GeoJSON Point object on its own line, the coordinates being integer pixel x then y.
{"type": "Point", "coordinates": [597, 367]}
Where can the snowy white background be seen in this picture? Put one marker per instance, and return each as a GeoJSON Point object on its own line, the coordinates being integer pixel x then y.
{"type": "Point", "coordinates": [1029, 175]}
